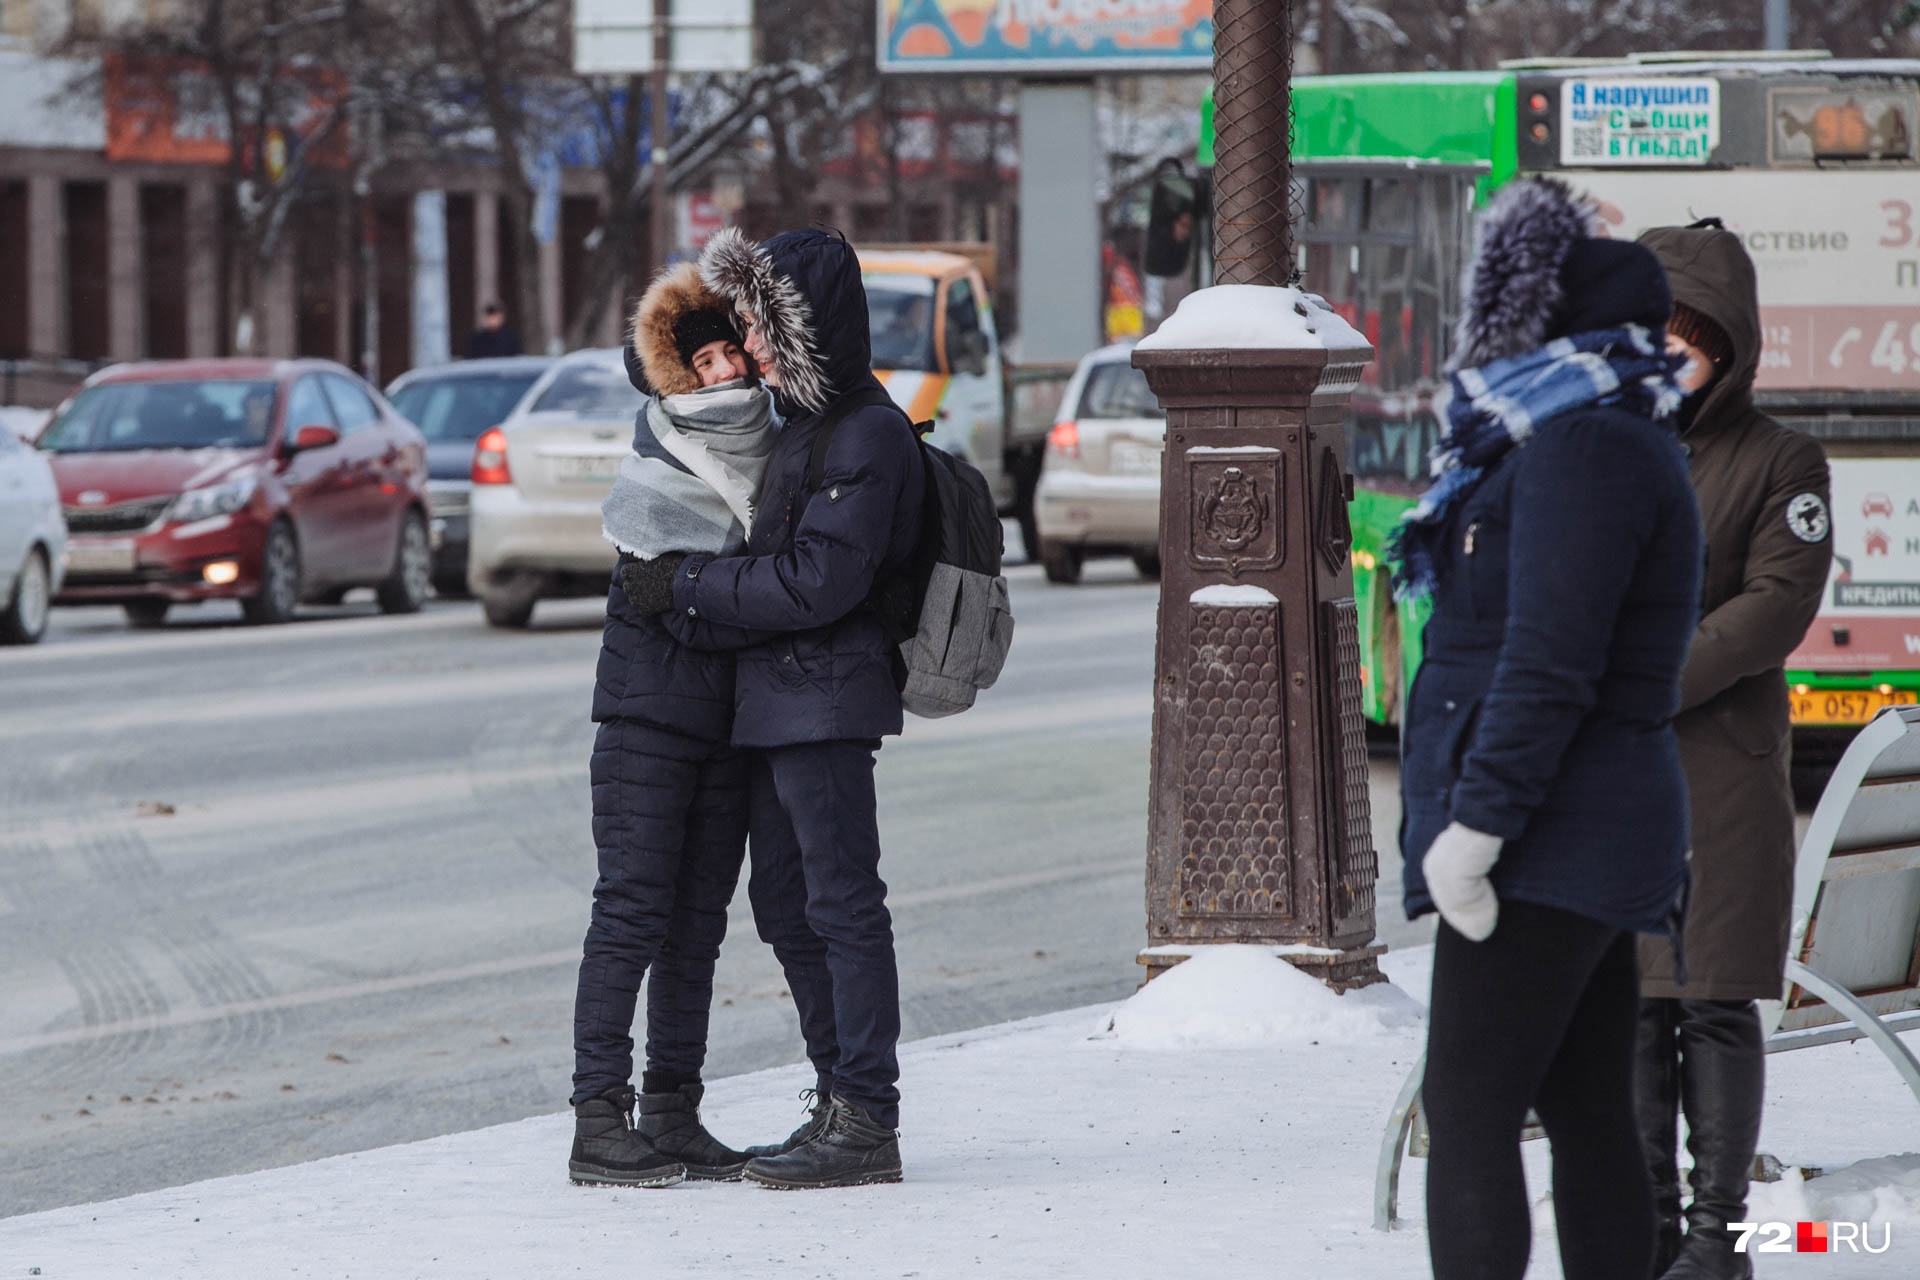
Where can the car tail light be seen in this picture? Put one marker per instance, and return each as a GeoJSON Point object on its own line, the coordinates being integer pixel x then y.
{"type": "Point", "coordinates": [490, 458]}
{"type": "Point", "coordinates": [1064, 439]}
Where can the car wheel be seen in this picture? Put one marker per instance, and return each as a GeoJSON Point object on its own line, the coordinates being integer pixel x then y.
{"type": "Point", "coordinates": [1148, 563]}
{"type": "Point", "coordinates": [411, 581]}
{"type": "Point", "coordinates": [24, 620]}
{"type": "Point", "coordinates": [1061, 561]}
{"type": "Point", "coordinates": [279, 580]}
{"type": "Point", "coordinates": [144, 615]}
{"type": "Point", "coordinates": [510, 606]}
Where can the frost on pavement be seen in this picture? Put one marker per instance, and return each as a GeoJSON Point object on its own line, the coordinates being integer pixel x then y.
{"type": "Point", "coordinates": [1234, 996]}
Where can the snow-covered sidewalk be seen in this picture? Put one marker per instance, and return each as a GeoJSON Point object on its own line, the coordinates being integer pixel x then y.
{"type": "Point", "coordinates": [1224, 1122]}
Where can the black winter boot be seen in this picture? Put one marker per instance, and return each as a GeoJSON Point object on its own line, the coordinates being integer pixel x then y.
{"type": "Point", "coordinates": [852, 1151]}
{"type": "Point", "coordinates": [607, 1151]}
{"type": "Point", "coordinates": [812, 1127]}
{"type": "Point", "coordinates": [1722, 1089]}
{"type": "Point", "coordinates": [1656, 1100]}
{"type": "Point", "coordinates": [671, 1122]}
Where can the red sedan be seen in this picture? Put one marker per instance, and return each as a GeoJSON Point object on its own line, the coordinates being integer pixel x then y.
{"type": "Point", "coordinates": [267, 481]}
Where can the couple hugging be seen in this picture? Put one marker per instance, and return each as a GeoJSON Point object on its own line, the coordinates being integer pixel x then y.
{"type": "Point", "coordinates": [742, 688]}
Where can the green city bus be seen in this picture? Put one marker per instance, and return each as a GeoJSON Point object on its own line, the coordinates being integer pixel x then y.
{"type": "Point", "coordinates": [1812, 161]}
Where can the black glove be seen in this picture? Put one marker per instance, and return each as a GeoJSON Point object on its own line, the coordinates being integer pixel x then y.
{"type": "Point", "coordinates": [649, 583]}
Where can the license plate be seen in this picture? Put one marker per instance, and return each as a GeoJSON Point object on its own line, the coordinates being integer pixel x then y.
{"type": "Point", "coordinates": [1130, 459]}
{"type": "Point", "coordinates": [587, 469]}
{"type": "Point", "coordinates": [103, 556]}
{"type": "Point", "coordinates": [1846, 706]}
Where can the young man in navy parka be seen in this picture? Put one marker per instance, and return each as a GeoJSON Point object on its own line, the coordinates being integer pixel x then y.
{"type": "Point", "coordinates": [814, 699]}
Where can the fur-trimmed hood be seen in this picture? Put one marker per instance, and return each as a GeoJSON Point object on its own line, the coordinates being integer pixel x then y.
{"type": "Point", "coordinates": [804, 289]}
{"type": "Point", "coordinates": [1538, 273]}
{"type": "Point", "coordinates": [674, 293]}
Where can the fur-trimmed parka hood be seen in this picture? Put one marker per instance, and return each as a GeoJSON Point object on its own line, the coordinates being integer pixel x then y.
{"type": "Point", "coordinates": [804, 289]}
{"type": "Point", "coordinates": [1538, 273]}
{"type": "Point", "coordinates": [674, 294]}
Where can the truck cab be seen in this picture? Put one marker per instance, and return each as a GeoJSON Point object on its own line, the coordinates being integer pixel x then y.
{"type": "Point", "coordinates": [937, 353]}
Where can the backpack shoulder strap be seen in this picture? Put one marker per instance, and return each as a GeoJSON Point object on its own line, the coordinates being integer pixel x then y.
{"type": "Point", "coordinates": [866, 398]}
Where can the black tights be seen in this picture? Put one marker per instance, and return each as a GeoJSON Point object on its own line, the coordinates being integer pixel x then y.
{"type": "Point", "coordinates": [1541, 1015]}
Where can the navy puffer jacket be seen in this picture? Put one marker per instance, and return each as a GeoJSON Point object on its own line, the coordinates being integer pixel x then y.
{"type": "Point", "coordinates": [814, 552]}
{"type": "Point", "coordinates": [1543, 709]}
{"type": "Point", "coordinates": [647, 674]}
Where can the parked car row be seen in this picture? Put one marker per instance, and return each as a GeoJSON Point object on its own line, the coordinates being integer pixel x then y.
{"type": "Point", "coordinates": [277, 482]}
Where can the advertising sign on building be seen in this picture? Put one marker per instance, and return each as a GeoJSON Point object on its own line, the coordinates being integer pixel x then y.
{"type": "Point", "coordinates": [1079, 37]}
{"type": "Point", "coordinates": [1639, 122]}
{"type": "Point", "coordinates": [169, 111]}
{"type": "Point", "coordinates": [1837, 254]}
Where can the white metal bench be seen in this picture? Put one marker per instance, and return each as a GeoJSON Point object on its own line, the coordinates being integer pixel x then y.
{"type": "Point", "coordinates": [1853, 970]}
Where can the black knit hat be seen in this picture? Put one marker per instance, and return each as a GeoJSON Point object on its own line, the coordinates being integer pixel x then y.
{"type": "Point", "coordinates": [1605, 284]}
{"type": "Point", "coordinates": [696, 329]}
{"type": "Point", "coordinates": [1701, 332]}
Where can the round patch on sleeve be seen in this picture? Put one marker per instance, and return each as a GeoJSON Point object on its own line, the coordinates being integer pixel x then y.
{"type": "Point", "coordinates": [1807, 517]}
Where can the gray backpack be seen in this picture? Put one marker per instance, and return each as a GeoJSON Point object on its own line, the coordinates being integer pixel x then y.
{"type": "Point", "coordinates": [946, 607]}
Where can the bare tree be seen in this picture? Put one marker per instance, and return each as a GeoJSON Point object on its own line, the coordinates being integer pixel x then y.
{"type": "Point", "coordinates": [510, 48]}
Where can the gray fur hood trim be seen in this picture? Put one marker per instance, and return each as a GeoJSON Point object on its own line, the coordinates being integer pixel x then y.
{"type": "Point", "coordinates": [744, 274]}
{"type": "Point", "coordinates": [1512, 288]}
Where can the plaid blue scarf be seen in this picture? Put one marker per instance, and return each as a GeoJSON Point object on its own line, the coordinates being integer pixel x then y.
{"type": "Point", "coordinates": [1497, 407]}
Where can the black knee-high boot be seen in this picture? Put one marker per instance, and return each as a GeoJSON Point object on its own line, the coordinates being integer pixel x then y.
{"type": "Point", "coordinates": [1656, 1100]}
{"type": "Point", "coordinates": [1722, 1090]}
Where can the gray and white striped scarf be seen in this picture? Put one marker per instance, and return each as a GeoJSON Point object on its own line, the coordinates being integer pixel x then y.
{"type": "Point", "coordinates": [693, 477]}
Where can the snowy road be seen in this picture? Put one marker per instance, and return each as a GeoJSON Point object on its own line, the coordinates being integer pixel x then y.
{"type": "Point", "coordinates": [274, 895]}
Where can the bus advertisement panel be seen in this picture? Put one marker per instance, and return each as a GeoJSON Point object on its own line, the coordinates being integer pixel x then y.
{"type": "Point", "coordinates": [1837, 256]}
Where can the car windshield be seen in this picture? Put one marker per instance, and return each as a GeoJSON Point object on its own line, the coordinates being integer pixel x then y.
{"type": "Point", "coordinates": [900, 316]}
{"type": "Point", "coordinates": [591, 391]}
{"type": "Point", "coordinates": [461, 407]}
{"type": "Point", "coordinates": [124, 416]}
{"type": "Point", "coordinates": [1117, 390]}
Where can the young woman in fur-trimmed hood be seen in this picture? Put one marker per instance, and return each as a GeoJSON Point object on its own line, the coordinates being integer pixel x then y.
{"type": "Point", "coordinates": [669, 790]}
{"type": "Point", "coordinates": [819, 692]}
{"type": "Point", "coordinates": [1546, 817]}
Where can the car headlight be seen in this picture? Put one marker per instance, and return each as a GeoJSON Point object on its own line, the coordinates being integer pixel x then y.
{"type": "Point", "coordinates": [216, 500]}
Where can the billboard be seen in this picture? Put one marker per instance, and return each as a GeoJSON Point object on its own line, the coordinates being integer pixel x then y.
{"type": "Point", "coordinates": [169, 111]}
{"type": "Point", "coordinates": [1076, 37]}
{"type": "Point", "coordinates": [1837, 253]}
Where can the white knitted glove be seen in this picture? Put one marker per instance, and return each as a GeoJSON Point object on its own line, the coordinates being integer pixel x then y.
{"type": "Point", "coordinates": [1456, 869]}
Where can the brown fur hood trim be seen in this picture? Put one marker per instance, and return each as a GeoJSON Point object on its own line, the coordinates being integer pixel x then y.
{"type": "Point", "coordinates": [673, 293]}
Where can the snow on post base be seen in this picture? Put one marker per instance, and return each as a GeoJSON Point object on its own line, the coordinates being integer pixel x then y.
{"type": "Point", "coordinates": [1239, 995]}
{"type": "Point", "coordinates": [1252, 317]}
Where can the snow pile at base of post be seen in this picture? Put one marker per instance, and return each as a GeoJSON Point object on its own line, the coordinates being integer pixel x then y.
{"type": "Point", "coordinates": [1251, 316]}
{"type": "Point", "coordinates": [1876, 1191]}
{"type": "Point", "coordinates": [1233, 996]}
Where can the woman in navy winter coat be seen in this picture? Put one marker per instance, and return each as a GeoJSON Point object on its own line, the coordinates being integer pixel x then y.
{"type": "Point", "coordinates": [1545, 812]}
{"type": "Point", "coordinates": [669, 789]}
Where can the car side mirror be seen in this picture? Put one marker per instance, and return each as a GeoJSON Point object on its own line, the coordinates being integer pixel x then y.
{"type": "Point", "coordinates": [967, 353]}
{"type": "Point", "coordinates": [314, 436]}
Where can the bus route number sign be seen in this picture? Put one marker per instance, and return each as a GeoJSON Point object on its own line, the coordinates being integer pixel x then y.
{"type": "Point", "coordinates": [1655, 121]}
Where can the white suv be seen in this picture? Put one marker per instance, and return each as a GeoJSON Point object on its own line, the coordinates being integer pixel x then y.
{"type": "Point", "coordinates": [538, 481]}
